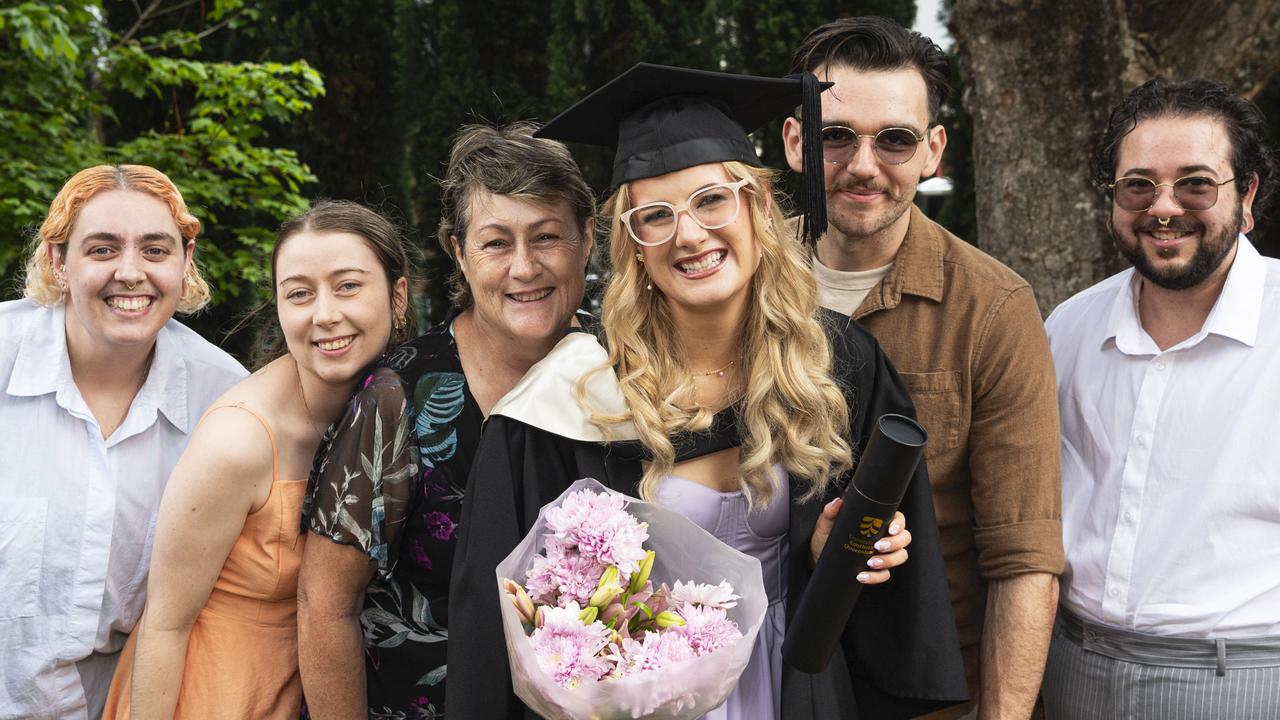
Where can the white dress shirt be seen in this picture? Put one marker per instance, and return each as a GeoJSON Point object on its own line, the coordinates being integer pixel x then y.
{"type": "Point", "coordinates": [77, 512]}
{"type": "Point", "coordinates": [1170, 460]}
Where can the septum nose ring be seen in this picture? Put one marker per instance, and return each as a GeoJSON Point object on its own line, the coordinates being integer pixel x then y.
{"type": "Point", "coordinates": [1162, 221]}
{"type": "Point", "coordinates": [131, 285]}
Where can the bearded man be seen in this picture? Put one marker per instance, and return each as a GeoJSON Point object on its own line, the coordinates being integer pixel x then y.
{"type": "Point", "coordinates": [1168, 379]}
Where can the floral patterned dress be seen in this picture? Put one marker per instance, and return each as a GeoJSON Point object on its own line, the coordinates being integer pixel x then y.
{"type": "Point", "coordinates": [389, 480]}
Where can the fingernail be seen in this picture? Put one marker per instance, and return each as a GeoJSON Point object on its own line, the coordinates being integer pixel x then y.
{"type": "Point", "coordinates": [894, 529]}
{"type": "Point", "coordinates": [875, 562]}
{"type": "Point", "coordinates": [882, 545]}
{"type": "Point", "coordinates": [863, 577]}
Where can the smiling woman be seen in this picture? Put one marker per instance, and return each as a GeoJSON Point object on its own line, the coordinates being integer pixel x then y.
{"type": "Point", "coordinates": [219, 634]}
{"type": "Point", "coordinates": [389, 483]}
{"type": "Point", "coordinates": [102, 387]}
{"type": "Point", "coordinates": [717, 389]}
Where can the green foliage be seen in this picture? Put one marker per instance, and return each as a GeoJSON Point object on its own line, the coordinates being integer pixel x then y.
{"type": "Point", "coordinates": [78, 74]}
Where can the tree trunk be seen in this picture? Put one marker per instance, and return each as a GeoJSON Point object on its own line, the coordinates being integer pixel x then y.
{"type": "Point", "coordinates": [1045, 76]}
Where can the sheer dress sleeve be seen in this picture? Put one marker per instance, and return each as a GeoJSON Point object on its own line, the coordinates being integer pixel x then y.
{"type": "Point", "coordinates": [362, 484]}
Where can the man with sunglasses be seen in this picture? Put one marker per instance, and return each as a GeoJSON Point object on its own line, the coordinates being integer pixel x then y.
{"type": "Point", "coordinates": [1168, 378]}
{"type": "Point", "coordinates": [965, 335]}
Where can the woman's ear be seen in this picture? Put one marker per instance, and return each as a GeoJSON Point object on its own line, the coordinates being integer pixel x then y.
{"type": "Point", "coordinates": [400, 297]}
{"type": "Point", "coordinates": [457, 254]}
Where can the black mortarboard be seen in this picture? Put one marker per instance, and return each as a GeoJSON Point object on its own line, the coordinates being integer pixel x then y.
{"type": "Point", "coordinates": [662, 119]}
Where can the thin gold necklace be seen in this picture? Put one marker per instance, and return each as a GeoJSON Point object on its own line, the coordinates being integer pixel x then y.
{"type": "Point", "coordinates": [718, 372]}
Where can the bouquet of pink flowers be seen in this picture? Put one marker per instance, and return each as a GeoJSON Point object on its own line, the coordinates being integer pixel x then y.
{"type": "Point", "coordinates": [604, 627]}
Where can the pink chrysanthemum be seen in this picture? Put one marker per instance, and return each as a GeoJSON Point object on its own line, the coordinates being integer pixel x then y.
{"type": "Point", "coordinates": [599, 525]}
{"type": "Point", "coordinates": [716, 596]}
{"type": "Point", "coordinates": [654, 652]}
{"type": "Point", "coordinates": [567, 649]}
{"type": "Point", "coordinates": [562, 575]}
{"type": "Point", "coordinates": [707, 629]}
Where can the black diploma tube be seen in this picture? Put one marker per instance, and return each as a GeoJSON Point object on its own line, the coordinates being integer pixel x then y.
{"type": "Point", "coordinates": [887, 464]}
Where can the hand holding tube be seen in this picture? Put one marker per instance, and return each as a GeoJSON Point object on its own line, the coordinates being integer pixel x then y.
{"type": "Point", "coordinates": [886, 467]}
{"type": "Point", "coordinates": [890, 553]}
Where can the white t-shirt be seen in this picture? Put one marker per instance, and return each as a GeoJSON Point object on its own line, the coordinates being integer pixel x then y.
{"type": "Point", "coordinates": [843, 291]}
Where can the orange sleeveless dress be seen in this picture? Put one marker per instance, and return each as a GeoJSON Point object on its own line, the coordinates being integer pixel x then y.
{"type": "Point", "coordinates": [242, 655]}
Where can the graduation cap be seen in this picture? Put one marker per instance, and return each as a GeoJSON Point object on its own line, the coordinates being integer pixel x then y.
{"type": "Point", "coordinates": [662, 119]}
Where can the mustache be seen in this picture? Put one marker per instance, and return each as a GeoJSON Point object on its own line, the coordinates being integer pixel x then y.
{"type": "Point", "coordinates": [866, 187]}
{"type": "Point", "coordinates": [1183, 224]}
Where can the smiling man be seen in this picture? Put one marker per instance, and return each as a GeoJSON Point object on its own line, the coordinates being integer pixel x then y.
{"type": "Point", "coordinates": [1168, 378]}
{"type": "Point", "coordinates": [965, 335]}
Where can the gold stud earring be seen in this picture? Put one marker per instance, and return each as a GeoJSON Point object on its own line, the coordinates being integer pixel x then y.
{"type": "Point", "coordinates": [401, 323]}
{"type": "Point", "coordinates": [639, 258]}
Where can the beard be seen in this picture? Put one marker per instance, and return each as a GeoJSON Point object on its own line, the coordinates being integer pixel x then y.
{"type": "Point", "coordinates": [1207, 258]}
{"type": "Point", "coordinates": [862, 225]}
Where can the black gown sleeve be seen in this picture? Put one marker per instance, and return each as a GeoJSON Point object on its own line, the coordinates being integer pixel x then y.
{"type": "Point", "coordinates": [517, 469]}
{"type": "Point", "coordinates": [900, 644]}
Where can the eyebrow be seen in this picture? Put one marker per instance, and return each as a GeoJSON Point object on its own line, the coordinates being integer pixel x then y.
{"type": "Point", "coordinates": [1182, 170]}
{"type": "Point", "coordinates": [335, 273]}
{"type": "Point", "coordinates": [146, 237]}
{"type": "Point", "coordinates": [907, 125]}
{"type": "Point", "coordinates": [507, 228]}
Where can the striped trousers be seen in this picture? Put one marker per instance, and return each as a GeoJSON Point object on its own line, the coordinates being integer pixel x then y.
{"type": "Point", "coordinates": [1096, 672]}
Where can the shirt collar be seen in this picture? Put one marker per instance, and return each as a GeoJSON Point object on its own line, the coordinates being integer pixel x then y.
{"type": "Point", "coordinates": [1238, 311]}
{"type": "Point", "coordinates": [1235, 314]}
{"type": "Point", "coordinates": [166, 385]}
{"type": "Point", "coordinates": [917, 267]}
{"type": "Point", "coordinates": [43, 366]}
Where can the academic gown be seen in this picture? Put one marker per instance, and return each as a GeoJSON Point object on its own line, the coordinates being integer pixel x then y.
{"type": "Point", "coordinates": [899, 655]}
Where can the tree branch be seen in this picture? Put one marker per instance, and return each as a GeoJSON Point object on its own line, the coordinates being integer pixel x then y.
{"type": "Point", "coordinates": [142, 18]}
{"type": "Point", "coordinates": [198, 36]}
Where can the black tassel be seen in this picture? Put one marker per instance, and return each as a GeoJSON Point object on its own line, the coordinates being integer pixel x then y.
{"type": "Point", "coordinates": [813, 205]}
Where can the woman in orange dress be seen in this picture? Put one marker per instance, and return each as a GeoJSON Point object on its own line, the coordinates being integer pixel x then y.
{"type": "Point", "coordinates": [218, 638]}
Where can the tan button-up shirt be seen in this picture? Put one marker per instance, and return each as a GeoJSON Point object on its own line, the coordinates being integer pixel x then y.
{"type": "Point", "coordinates": [965, 335]}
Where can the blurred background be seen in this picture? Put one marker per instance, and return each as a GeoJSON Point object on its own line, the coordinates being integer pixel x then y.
{"type": "Point", "coordinates": [255, 108]}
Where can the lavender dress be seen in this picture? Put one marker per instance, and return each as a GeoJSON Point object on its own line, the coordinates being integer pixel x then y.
{"type": "Point", "coordinates": [761, 534]}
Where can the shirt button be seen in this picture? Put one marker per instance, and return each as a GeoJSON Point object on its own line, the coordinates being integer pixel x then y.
{"type": "Point", "coordinates": [1139, 441]}
{"type": "Point", "coordinates": [1113, 591]}
{"type": "Point", "coordinates": [1159, 365]}
{"type": "Point", "coordinates": [1128, 516]}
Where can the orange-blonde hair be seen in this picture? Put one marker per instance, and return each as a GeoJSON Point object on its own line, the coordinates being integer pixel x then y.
{"type": "Point", "coordinates": [41, 285]}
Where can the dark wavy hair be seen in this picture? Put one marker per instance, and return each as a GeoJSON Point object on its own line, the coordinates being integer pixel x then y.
{"type": "Point", "coordinates": [871, 42]}
{"type": "Point", "coordinates": [1161, 97]}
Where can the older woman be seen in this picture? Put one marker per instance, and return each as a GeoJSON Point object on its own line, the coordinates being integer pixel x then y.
{"type": "Point", "coordinates": [102, 389]}
{"type": "Point", "coordinates": [721, 392]}
{"type": "Point", "coordinates": [388, 485]}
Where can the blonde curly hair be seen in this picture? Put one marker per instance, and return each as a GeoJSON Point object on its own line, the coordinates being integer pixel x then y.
{"type": "Point", "coordinates": [792, 412]}
{"type": "Point", "coordinates": [42, 287]}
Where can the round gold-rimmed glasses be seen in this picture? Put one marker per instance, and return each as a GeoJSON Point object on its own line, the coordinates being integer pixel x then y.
{"type": "Point", "coordinates": [1192, 193]}
{"type": "Point", "coordinates": [712, 207]}
{"type": "Point", "coordinates": [893, 145]}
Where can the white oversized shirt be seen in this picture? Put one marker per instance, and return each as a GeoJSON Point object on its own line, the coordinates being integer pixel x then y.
{"type": "Point", "coordinates": [1171, 461]}
{"type": "Point", "coordinates": [77, 512]}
